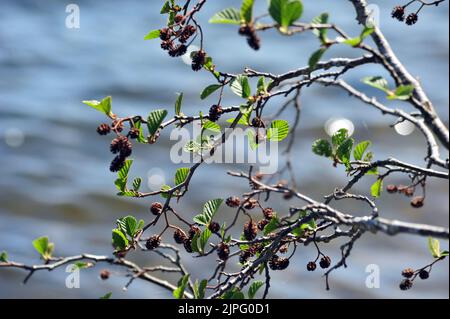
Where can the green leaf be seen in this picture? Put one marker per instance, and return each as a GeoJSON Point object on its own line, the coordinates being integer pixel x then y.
{"type": "Point", "coordinates": [273, 225]}
{"type": "Point", "coordinates": [200, 289]}
{"type": "Point", "coordinates": [238, 295]}
{"type": "Point", "coordinates": [4, 257]}
{"type": "Point", "coordinates": [377, 188]}
{"type": "Point", "coordinates": [125, 170]}
{"type": "Point", "coordinates": [444, 253]}
{"type": "Point", "coordinates": [360, 149]}
{"type": "Point", "coordinates": [262, 86]}
{"type": "Point", "coordinates": [247, 10]}
{"type": "Point", "coordinates": [119, 240]}
{"type": "Point", "coordinates": [165, 188]}
{"type": "Point", "coordinates": [434, 247]}
{"type": "Point", "coordinates": [403, 93]}
{"type": "Point", "coordinates": [315, 58]}
{"type": "Point", "coordinates": [285, 12]}
{"type": "Point", "coordinates": [121, 184]}
{"type": "Point", "coordinates": [179, 292]}
{"type": "Point", "coordinates": [154, 34]}
{"type": "Point", "coordinates": [321, 33]}
{"type": "Point", "coordinates": [201, 219]}
{"type": "Point", "coordinates": [178, 104]}
{"type": "Point", "coordinates": [104, 106]}
{"type": "Point", "coordinates": [209, 90]}
{"type": "Point", "coordinates": [227, 16]}
{"type": "Point", "coordinates": [322, 148]}
{"type": "Point", "coordinates": [354, 42]}
{"type": "Point", "coordinates": [83, 265]}
{"type": "Point", "coordinates": [127, 225]}
{"type": "Point", "coordinates": [241, 86]}
{"type": "Point", "coordinates": [344, 150]}
{"type": "Point", "coordinates": [204, 237]}
{"type": "Point", "coordinates": [377, 82]}
{"type": "Point", "coordinates": [181, 175]}
{"type": "Point", "coordinates": [155, 120]}
{"type": "Point", "coordinates": [166, 7]}
{"type": "Point", "coordinates": [212, 126]}
{"type": "Point", "coordinates": [41, 245]}
{"type": "Point", "coordinates": [211, 207]}
{"type": "Point", "coordinates": [339, 137]}
{"type": "Point", "coordinates": [244, 120]}
{"type": "Point", "coordinates": [252, 139]}
{"type": "Point", "coordinates": [140, 225]}
{"type": "Point", "coordinates": [107, 296]}
{"type": "Point", "coordinates": [194, 243]}
{"type": "Point", "coordinates": [278, 131]}
{"type": "Point", "coordinates": [137, 184]}
{"type": "Point", "coordinates": [254, 287]}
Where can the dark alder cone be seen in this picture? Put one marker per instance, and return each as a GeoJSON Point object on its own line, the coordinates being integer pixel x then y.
{"type": "Point", "coordinates": [186, 33]}
{"type": "Point", "coordinates": [268, 213]}
{"type": "Point", "coordinates": [418, 202]}
{"type": "Point", "coordinates": [244, 256]}
{"type": "Point", "coordinates": [391, 189]}
{"type": "Point", "coordinates": [311, 266]}
{"type": "Point", "coordinates": [178, 18]}
{"type": "Point", "coordinates": [244, 30]}
{"type": "Point", "coordinates": [121, 144]}
{"type": "Point", "coordinates": [325, 262]}
{"type": "Point", "coordinates": [165, 34]}
{"type": "Point", "coordinates": [273, 262]}
{"type": "Point", "coordinates": [188, 246]}
{"type": "Point", "coordinates": [153, 242]}
{"type": "Point", "coordinates": [178, 50]}
{"type": "Point", "coordinates": [254, 41]}
{"type": "Point", "coordinates": [104, 129]}
{"type": "Point", "coordinates": [156, 208]}
{"type": "Point", "coordinates": [134, 133]}
{"type": "Point", "coordinates": [118, 126]}
{"type": "Point", "coordinates": [194, 230]}
{"type": "Point", "coordinates": [198, 60]}
{"type": "Point", "coordinates": [412, 19]}
{"type": "Point", "coordinates": [406, 284]}
{"type": "Point", "coordinates": [214, 227]}
{"type": "Point", "coordinates": [262, 223]}
{"type": "Point", "coordinates": [167, 45]}
{"type": "Point", "coordinates": [104, 274]}
{"type": "Point", "coordinates": [283, 263]}
{"type": "Point", "coordinates": [233, 201]}
{"type": "Point", "coordinates": [215, 112]}
{"type": "Point", "coordinates": [250, 204]}
{"type": "Point", "coordinates": [284, 249]}
{"type": "Point", "coordinates": [223, 251]}
{"type": "Point", "coordinates": [250, 230]}
{"type": "Point", "coordinates": [117, 163]}
{"type": "Point", "coordinates": [288, 196]}
{"type": "Point", "coordinates": [408, 272]}
{"type": "Point", "coordinates": [398, 13]}
{"type": "Point", "coordinates": [423, 274]}
{"type": "Point", "coordinates": [179, 236]}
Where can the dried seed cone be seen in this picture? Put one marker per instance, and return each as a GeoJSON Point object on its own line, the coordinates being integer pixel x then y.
{"type": "Point", "coordinates": [156, 208]}
{"type": "Point", "coordinates": [117, 163]}
{"type": "Point", "coordinates": [223, 251]}
{"type": "Point", "coordinates": [406, 284]}
{"type": "Point", "coordinates": [250, 230]}
{"type": "Point", "coordinates": [233, 202]}
{"type": "Point", "coordinates": [408, 272]}
{"type": "Point", "coordinates": [153, 242]}
{"type": "Point", "coordinates": [311, 266]}
{"type": "Point", "coordinates": [104, 129]}
{"type": "Point", "coordinates": [180, 236]}
{"type": "Point", "coordinates": [398, 13]}
{"type": "Point", "coordinates": [325, 262]}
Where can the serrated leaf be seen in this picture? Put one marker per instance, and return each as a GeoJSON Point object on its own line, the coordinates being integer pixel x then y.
{"type": "Point", "coordinates": [119, 240]}
{"type": "Point", "coordinates": [241, 86]}
{"type": "Point", "coordinates": [41, 245]}
{"type": "Point", "coordinates": [247, 10]}
{"type": "Point", "coordinates": [315, 58]}
{"type": "Point", "coordinates": [166, 7]}
{"type": "Point", "coordinates": [206, 234]}
{"type": "Point", "coordinates": [201, 219]}
{"type": "Point", "coordinates": [165, 188]}
{"type": "Point", "coordinates": [360, 149]}
{"type": "Point", "coordinates": [354, 42]}
{"type": "Point", "coordinates": [209, 90]}
{"type": "Point", "coordinates": [377, 82]}
{"type": "Point", "coordinates": [322, 147]}
{"type": "Point", "coordinates": [285, 12]}
{"type": "Point", "coordinates": [339, 137]}
{"type": "Point", "coordinates": [181, 175]}
{"type": "Point", "coordinates": [252, 139]}
{"type": "Point", "coordinates": [273, 225]}
{"type": "Point", "coordinates": [377, 188]}
{"type": "Point", "coordinates": [211, 207]}
{"type": "Point", "coordinates": [178, 104]}
{"type": "Point", "coordinates": [254, 287]}
{"type": "Point", "coordinates": [403, 93]}
{"type": "Point", "coordinates": [212, 126]}
{"type": "Point", "coordinates": [227, 16]}
{"type": "Point", "coordinates": [200, 289]}
{"type": "Point", "coordinates": [278, 131]}
{"type": "Point", "coordinates": [194, 243]}
{"type": "Point", "coordinates": [434, 247]}
{"type": "Point", "coordinates": [127, 225]}
{"type": "Point", "coordinates": [261, 85]}
{"type": "Point", "coordinates": [155, 120]}
{"type": "Point", "coordinates": [344, 150]}
{"type": "Point", "coordinates": [179, 292]}
{"type": "Point", "coordinates": [154, 34]}
{"type": "Point", "coordinates": [103, 106]}
{"type": "Point", "coordinates": [244, 120]}
{"type": "Point", "coordinates": [321, 33]}
{"type": "Point", "coordinates": [140, 225]}
{"type": "Point", "coordinates": [137, 184]}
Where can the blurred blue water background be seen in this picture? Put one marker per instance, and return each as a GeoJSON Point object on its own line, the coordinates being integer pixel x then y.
{"type": "Point", "coordinates": [53, 167]}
